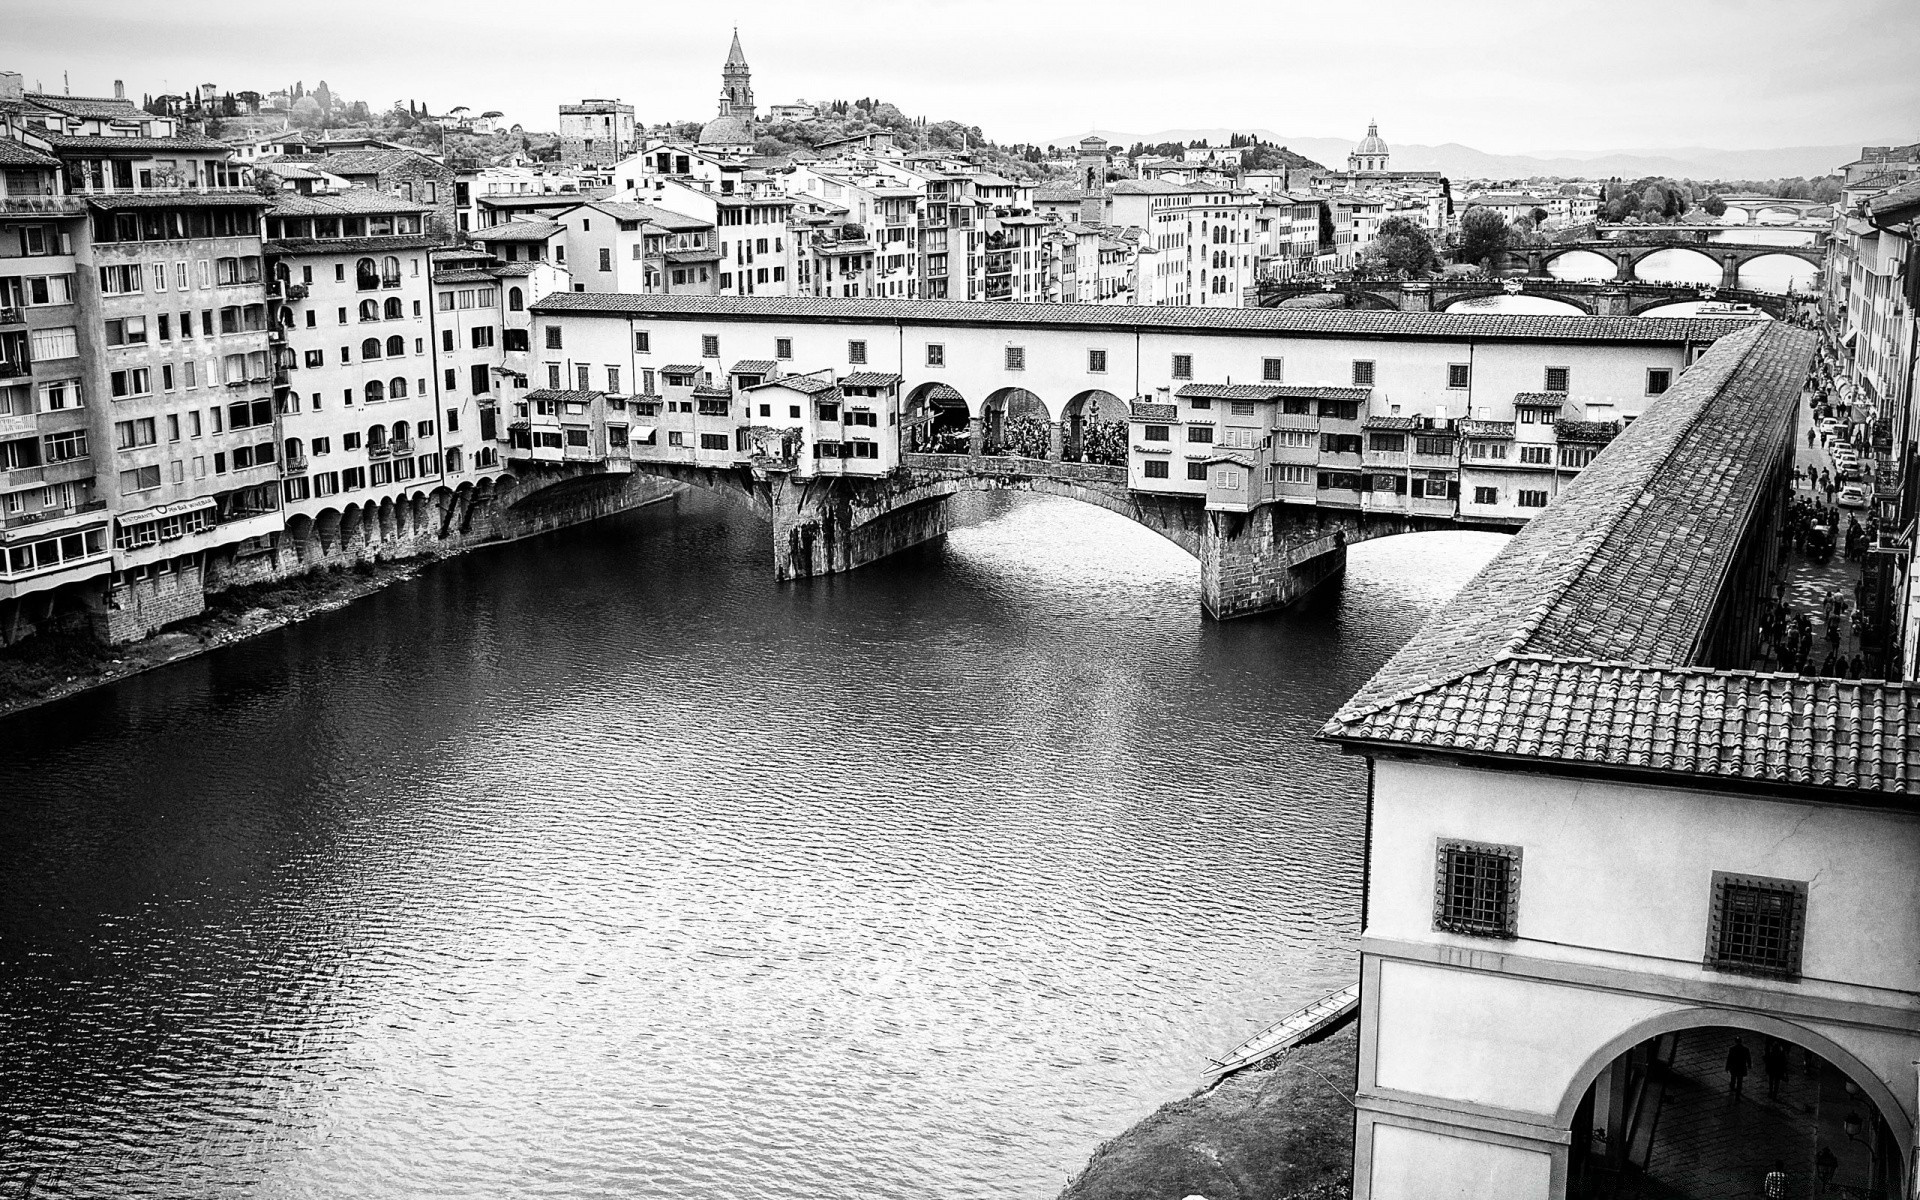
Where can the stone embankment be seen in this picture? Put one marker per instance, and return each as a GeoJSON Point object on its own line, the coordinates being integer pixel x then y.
{"type": "Point", "coordinates": [305, 573]}
{"type": "Point", "coordinates": [1282, 1132]}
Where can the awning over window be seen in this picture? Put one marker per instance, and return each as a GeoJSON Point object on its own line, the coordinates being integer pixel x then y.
{"type": "Point", "coordinates": [642, 433]}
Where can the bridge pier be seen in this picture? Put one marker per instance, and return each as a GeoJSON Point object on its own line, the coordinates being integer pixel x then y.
{"type": "Point", "coordinates": [1416, 297]}
{"type": "Point", "coordinates": [1267, 559]}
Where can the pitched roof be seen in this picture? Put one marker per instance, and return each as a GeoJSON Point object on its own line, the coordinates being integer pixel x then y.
{"type": "Point", "coordinates": [97, 108]}
{"type": "Point", "coordinates": [1580, 641]}
{"type": "Point", "coordinates": [14, 154]}
{"type": "Point", "coordinates": [1540, 399]}
{"type": "Point", "coordinates": [351, 203]}
{"type": "Point", "coordinates": [811, 385]}
{"type": "Point", "coordinates": [1393, 424]}
{"type": "Point", "coordinates": [1586, 431]}
{"type": "Point", "coordinates": [94, 144]}
{"type": "Point", "coordinates": [754, 366]}
{"type": "Point", "coordinates": [518, 231]}
{"type": "Point", "coordinates": [1257, 321]}
{"type": "Point", "coordinates": [365, 245]}
{"type": "Point", "coordinates": [570, 394]}
{"type": "Point", "coordinates": [678, 368]}
{"type": "Point", "coordinates": [870, 379]}
{"type": "Point", "coordinates": [1852, 736]}
{"type": "Point", "coordinates": [371, 162]}
{"type": "Point", "coordinates": [117, 200]}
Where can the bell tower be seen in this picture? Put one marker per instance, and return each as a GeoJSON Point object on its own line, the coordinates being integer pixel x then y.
{"type": "Point", "coordinates": [736, 82]}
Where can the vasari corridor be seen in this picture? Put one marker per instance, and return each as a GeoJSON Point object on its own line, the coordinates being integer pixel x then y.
{"type": "Point", "coordinates": [1118, 606]}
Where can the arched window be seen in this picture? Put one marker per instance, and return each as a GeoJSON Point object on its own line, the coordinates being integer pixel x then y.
{"type": "Point", "coordinates": [370, 348]}
{"type": "Point", "coordinates": [397, 388]}
{"type": "Point", "coordinates": [376, 391]}
{"type": "Point", "coordinates": [366, 275]}
{"type": "Point", "coordinates": [399, 431]}
{"type": "Point", "coordinates": [285, 319]}
{"type": "Point", "coordinates": [282, 272]}
{"type": "Point", "coordinates": [390, 272]}
{"type": "Point", "coordinates": [515, 302]}
{"type": "Point", "coordinates": [376, 437]}
{"type": "Point", "coordinates": [369, 310]}
{"type": "Point", "coordinates": [394, 311]}
{"type": "Point", "coordinates": [396, 346]}
{"type": "Point", "coordinates": [294, 450]}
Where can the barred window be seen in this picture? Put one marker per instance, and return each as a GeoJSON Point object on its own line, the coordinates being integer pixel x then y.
{"type": "Point", "coordinates": [1272, 370]}
{"type": "Point", "coordinates": [1755, 924]}
{"type": "Point", "coordinates": [1476, 890]}
{"type": "Point", "coordinates": [1362, 373]}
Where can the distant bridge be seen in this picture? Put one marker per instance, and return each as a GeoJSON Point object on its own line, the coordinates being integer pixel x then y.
{"type": "Point", "coordinates": [1595, 298]}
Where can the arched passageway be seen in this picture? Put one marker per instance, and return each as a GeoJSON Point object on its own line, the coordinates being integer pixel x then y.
{"type": "Point", "coordinates": [1669, 1118]}
{"type": "Point", "coordinates": [1015, 421]}
{"type": "Point", "coordinates": [937, 419]}
{"type": "Point", "coordinates": [1088, 413]}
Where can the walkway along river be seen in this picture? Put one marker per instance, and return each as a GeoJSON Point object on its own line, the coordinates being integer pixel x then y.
{"type": "Point", "coordinates": [598, 865]}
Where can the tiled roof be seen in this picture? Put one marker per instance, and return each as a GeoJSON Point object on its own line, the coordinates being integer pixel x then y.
{"type": "Point", "coordinates": [365, 245]}
{"type": "Point", "coordinates": [754, 366]}
{"type": "Point", "coordinates": [1155, 412]}
{"type": "Point", "coordinates": [1257, 321]}
{"type": "Point", "coordinates": [118, 200]}
{"type": "Point", "coordinates": [706, 392]}
{"type": "Point", "coordinates": [680, 369]}
{"type": "Point", "coordinates": [1540, 399]}
{"type": "Point", "coordinates": [1226, 456]}
{"type": "Point", "coordinates": [1586, 431]}
{"type": "Point", "coordinates": [870, 379]}
{"type": "Point", "coordinates": [97, 108]}
{"type": "Point", "coordinates": [1485, 429]}
{"type": "Point", "coordinates": [352, 202]}
{"type": "Point", "coordinates": [1227, 391]}
{"type": "Point", "coordinates": [812, 385]}
{"type": "Point", "coordinates": [95, 144]}
{"type": "Point", "coordinates": [372, 162]}
{"type": "Point", "coordinates": [13, 154]}
{"type": "Point", "coordinates": [1397, 424]}
{"type": "Point", "coordinates": [1579, 641]}
{"type": "Point", "coordinates": [464, 275]}
{"type": "Point", "coordinates": [569, 394]}
{"type": "Point", "coordinates": [1855, 736]}
{"type": "Point", "coordinates": [942, 391]}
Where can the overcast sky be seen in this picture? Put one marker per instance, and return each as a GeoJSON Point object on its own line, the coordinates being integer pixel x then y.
{"type": "Point", "coordinates": [1504, 78]}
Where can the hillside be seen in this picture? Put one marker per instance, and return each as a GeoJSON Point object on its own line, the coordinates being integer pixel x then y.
{"type": "Point", "coordinates": [849, 118]}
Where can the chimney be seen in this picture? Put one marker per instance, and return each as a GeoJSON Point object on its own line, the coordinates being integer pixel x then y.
{"type": "Point", "coordinates": [119, 89]}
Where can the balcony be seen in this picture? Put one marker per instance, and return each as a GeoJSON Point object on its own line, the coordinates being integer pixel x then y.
{"type": "Point", "coordinates": [47, 516]}
{"type": "Point", "coordinates": [389, 281]}
{"type": "Point", "coordinates": [45, 206]}
{"type": "Point", "coordinates": [16, 369]}
{"type": "Point", "coordinates": [376, 453]}
{"type": "Point", "coordinates": [294, 466]}
{"type": "Point", "coordinates": [12, 316]}
{"type": "Point", "coordinates": [400, 449]}
{"type": "Point", "coordinates": [22, 477]}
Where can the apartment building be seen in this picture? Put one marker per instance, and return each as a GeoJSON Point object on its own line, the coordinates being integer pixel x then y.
{"type": "Point", "coordinates": [1203, 240]}
{"type": "Point", "coordinates": [54, 527]}
{"type": "Point", "coordinates": [359, 415]}
{"type": "Point", "coordinates": [484, 351]}
{"type": "Point", "coordinates": [753, 230]}
{"type": "Point", "coordinates": [621, 246]}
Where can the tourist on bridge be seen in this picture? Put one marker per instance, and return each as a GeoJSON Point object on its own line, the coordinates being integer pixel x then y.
{"type": "Point", "coordinates": [1739, 1058]}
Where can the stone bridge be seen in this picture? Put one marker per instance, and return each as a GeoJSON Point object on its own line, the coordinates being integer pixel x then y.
{"type": "Point", "coordinates": [1249, 562]}
{"type": "Point", "coordinates": [1670, 257]}
{"type": "Point", "coordinates": [1599, 299]}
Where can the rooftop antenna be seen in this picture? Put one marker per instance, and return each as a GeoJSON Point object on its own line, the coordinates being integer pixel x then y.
{"type": "Point", "coordinates": [66, 85]}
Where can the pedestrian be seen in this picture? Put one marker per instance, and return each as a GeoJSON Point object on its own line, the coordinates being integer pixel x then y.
{"type": "Point", "coordinates": [1809, 435]}
{"type": "Point", "coordinates": [1739, 1058]}
{"type": "Point", "coordinates": [1774, 1061]}
{"type": "Point", "coordinates": [1776, 1181]}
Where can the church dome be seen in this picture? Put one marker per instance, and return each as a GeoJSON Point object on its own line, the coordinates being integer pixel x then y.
{"type": "Point", "coordinates": [1371, 144]}
{"type": "Point", "coordinates": [727, 130]}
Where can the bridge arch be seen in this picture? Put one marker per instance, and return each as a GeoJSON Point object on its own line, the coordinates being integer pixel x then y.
{"type": "Point", "coordinates": [1175, 518]}
{"type": "Point", "coordinates": [1778, 272]}
{"type": "Point", "coordinates": [1015, 419]}
{"type": "Point", "coordinates": [1676, 264]}
{"type": "Point", "coordinates": [1581, 265]}
{"type": "Point", "coordinates": [1529, 301]}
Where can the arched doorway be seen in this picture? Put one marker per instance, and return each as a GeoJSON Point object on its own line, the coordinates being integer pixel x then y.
{"type": "Point", "coordinates": [1663, 1118]}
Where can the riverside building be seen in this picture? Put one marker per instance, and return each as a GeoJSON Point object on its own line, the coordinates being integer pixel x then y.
{"type": "Point", "coordinates": [359, 414]}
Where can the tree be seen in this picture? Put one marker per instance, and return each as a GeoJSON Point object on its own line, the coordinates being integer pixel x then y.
{"type": "Point", "coordinates": [1483, 236]}
{"type": "Point", "coordinates": [306, 113]}
{"type": "Point", "coordinates": [323, 96]}
{"type": "Point", "coordinates": [229, 107]}
{"type": "Point", "coordinates": [1401, 246]}
{"type": "Point", "coordinates": [1713, 205]}
{"type": "Point", "coordinates": [1539, 216]}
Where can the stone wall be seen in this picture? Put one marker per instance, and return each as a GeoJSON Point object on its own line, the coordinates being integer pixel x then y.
{"type": "Point", "coordinates": [136, 608]}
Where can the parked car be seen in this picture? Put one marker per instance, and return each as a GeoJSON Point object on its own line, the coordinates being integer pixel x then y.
{"type": "Point", "coordinates": [1853, 495]}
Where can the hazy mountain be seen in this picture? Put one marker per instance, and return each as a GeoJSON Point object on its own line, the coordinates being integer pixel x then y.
{"type": "Point", "coordinates": [1464, 162]}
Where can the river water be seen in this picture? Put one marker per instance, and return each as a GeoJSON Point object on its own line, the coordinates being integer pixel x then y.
{"type": "Point", "coordinates": [600, 865]}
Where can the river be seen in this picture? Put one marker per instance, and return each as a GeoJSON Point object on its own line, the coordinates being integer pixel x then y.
{"type": "Point", "coordinates": [600, 865]}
